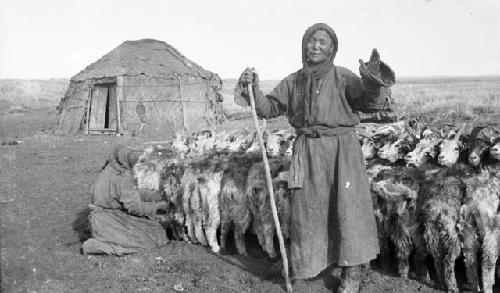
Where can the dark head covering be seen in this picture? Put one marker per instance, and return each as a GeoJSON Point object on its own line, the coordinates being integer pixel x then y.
{"type": "Point", "coordinates": [123, 158]}
{"type": "Point", "coordinates": [311, 73]}
{"type": "Point", "coordinates": [320, 70]}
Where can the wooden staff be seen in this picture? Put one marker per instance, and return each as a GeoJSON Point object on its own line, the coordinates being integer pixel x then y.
{"type": "Point", "coordinates": [270, 189]}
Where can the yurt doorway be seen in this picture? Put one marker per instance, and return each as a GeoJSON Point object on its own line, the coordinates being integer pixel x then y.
{"type": "Point", "coordinates": [102, 109]}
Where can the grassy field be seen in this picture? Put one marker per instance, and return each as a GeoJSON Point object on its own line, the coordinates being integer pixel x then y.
{"type": "Point", "coordinates": [475, 99]}
{"type": "Point", "coordinates": [449, 98]}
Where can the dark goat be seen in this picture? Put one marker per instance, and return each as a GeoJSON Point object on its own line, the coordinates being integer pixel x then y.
{"type": "Point", "coordinates": [233, 202]}
{"type": "Point", "coordinates": [482, 139]}
{"type": "Point", "coordinates": [260, 205]}
{"type": "Point", "coordinates": [439, 199]}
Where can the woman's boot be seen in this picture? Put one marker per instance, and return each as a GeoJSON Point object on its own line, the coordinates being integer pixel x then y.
{"type": "Point", "coordinates": [349, 280]}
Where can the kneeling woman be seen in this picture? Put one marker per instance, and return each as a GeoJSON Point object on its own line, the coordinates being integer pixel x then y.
{"type": "Point", "coordinates": [119, 220]}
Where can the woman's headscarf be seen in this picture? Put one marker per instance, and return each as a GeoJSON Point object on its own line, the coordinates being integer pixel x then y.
{"type": "Point", "coordinates": [313, 72]}
{"type": "Point", "coordinates": [318, 71]}
{"type": "Point", "coordinates": [123, 158]}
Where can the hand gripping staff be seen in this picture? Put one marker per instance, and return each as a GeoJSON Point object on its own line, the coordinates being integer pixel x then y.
{"type": "Point", "coordinates": [270, 189]}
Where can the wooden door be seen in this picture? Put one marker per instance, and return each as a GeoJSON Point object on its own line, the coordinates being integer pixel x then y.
{"type": "Point", "coordinates": [97, 117]}
{"type": "Point", "coordinates": [103, 112]}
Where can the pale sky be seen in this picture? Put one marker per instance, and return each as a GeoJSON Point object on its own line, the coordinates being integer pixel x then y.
{"type": "Point", "coordinates": [58, 38]}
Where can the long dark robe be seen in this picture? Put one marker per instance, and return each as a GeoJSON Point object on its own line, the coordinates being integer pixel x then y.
{"type": "Point", "coordinates": [332, 216]}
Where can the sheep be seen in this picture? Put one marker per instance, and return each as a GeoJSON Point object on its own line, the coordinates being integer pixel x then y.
{"type": "Point", "coordinates": [260, 206]}
{"type": "Point", "coordinates": [480, 228]}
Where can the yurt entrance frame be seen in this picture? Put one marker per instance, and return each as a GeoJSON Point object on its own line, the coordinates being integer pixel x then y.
{"type": "Point", "coordinates": [102, 110]}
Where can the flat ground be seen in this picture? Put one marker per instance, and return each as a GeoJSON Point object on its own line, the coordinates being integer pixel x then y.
{"type": "Point", "coordinates": [44, 190]}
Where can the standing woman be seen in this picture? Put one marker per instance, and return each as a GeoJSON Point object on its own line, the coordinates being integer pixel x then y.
{"type": "Point", "coordinates": [332, 215]}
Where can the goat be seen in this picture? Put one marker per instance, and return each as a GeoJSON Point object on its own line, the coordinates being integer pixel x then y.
{"type": "Point", "coordinates": [495, 149]}
{"type": "Point", "coordinates": [172, 190]}
{"type": "Point", "coordinates": [260, 206]}
{"type": "Point", "coordinates": [368, 147]}
{"type": "Point", "coordinates": [396, 149]}
{"type": "Point", "coordinates": [449, 150]}
{"type": "Point", "coordinates": [201, 183]}
{"type": "Point", "coordinates": [480, 228]}
{"type": "Point", "coordinates": [234, 206]}
{"type": "Point", "coordinates": [397, 219]}
{"type": "Point", "coordinates": [439, 199]}
{"type": "Point", "coordinates": [423, 153]}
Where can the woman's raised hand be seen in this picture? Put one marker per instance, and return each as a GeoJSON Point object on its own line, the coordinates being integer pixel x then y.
{"type": "Point", "coordinates": [249, 75]}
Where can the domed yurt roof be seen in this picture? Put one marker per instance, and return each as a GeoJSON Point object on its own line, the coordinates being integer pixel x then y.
{"type": "Point", "coordinates": [146, 57]}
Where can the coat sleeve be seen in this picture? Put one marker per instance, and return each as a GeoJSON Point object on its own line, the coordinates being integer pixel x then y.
{"type": "Point", "coordinates": [131, 200]}
{"type": "Point", "coordinates": [276, 102]}
{"type": "Point", "coordinates": [363, 96]}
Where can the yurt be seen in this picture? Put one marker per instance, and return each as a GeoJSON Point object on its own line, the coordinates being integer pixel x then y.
{"type": "Point", "coordinates": [141, 87]}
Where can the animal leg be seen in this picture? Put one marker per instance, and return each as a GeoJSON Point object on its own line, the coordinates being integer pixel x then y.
{"type": "Point", "coordinates": [384, 252]}
{"type": "Point", "coordinates": [199, 233]}
{"type": "Point", "coordinates": [211, 234]}
{"type": "Point", "coordinates": [225, 226]}
{"type": "Point", "coordinates": [470, 251]}
{"type": "Point", "coordinates": [403, 256]}
{"type": "Point", "coordinates": [449, 273]}
{"type": "Point", "coordinates": [438, 266]}
{"type": "Point", "coordinates": [421, 265]}
{"type": "Point", "coordinates": [212, 216]}
{"type": "Point", "coordinates": [489, 259]}
{"type": "Point", "coordinates": [186, 200]}
{"type": "Point", "coordinates": [190, 229]}
{"type": "Point", "coordinates": [269, 240]}
{"type": "Point", "coordinates": [240, 230]}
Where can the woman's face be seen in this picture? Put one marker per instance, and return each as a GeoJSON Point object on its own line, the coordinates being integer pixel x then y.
{"type": "Point", "coordinates": [319, 47]}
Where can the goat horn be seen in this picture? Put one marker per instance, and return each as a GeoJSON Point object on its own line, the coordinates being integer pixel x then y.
{"type": "Point", "coordinates": [434, 129]}
{"type": "Point", "coordinates": [410, 131]}
{"type": "Point", "coordinates": [459, 133]}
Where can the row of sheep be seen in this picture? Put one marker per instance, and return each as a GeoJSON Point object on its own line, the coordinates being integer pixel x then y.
{"type": "Point", "coordinates": [215, 180]}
